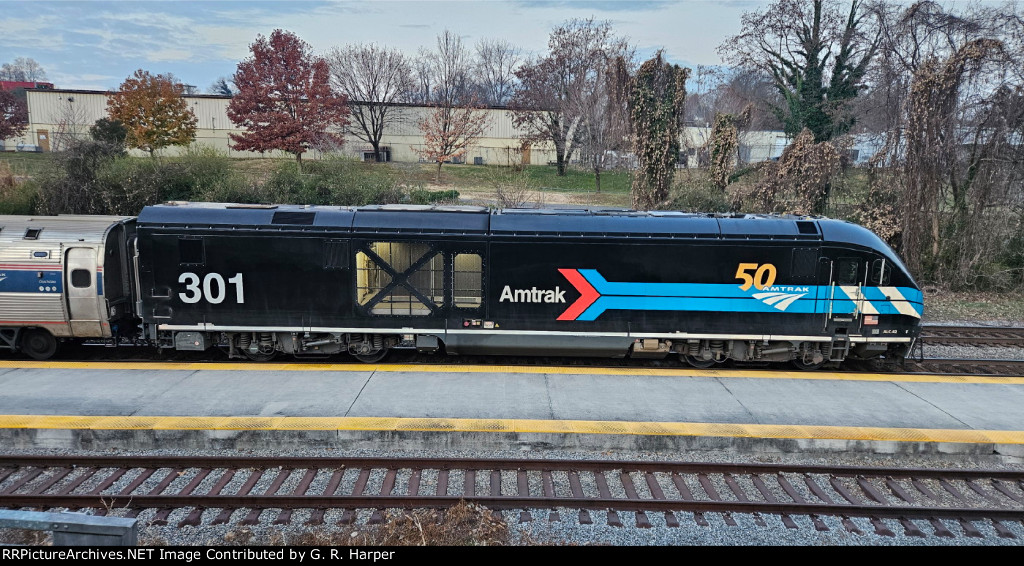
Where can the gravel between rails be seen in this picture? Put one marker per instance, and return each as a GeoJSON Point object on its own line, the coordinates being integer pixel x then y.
{"type": "Point", "coordinates": [568, 530]}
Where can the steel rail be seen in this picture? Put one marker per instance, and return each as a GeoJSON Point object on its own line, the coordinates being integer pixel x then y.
{"type": "Point", "coordinates": [841, 491]}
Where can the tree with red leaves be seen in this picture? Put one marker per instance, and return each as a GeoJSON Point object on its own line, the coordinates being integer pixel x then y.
{"type": "Point", "coordinates": [449, 131]}
{"type": "Point", "coordinates": [13, 115]}
{"type": "Point", "coordinates": [285, 100]}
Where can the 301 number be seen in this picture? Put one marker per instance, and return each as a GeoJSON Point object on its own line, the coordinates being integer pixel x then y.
{"type": "Point", "coordinates": [213, 288]}
{"type": "Point", "coordinates": [764, 275]}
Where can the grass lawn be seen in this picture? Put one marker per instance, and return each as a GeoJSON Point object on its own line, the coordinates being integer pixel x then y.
{"type": "Point", "coordinates": [25, 164]}
{"type": "Point", "coordinates": [941, 305]}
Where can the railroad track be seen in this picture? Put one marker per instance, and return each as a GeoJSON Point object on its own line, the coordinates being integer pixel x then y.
{"type": "Point", "coordinates": [972, 335]}
{"type": "Point", "coordinates": [211, 490]}
{"type": "Point", "coordinates": [965, 366]}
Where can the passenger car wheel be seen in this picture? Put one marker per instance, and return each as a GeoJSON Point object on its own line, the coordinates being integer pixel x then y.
{"type": "Point", "coordinates": [38, 344]}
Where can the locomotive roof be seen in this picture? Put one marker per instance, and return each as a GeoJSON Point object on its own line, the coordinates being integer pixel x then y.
{"type": "Point", "coordinates": [55, 230]}
{"type": "Point", "coordinates": [475, 220]}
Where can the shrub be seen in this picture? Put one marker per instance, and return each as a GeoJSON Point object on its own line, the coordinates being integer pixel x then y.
{"type": "Point", "coordinates": [72, 185]}
{"type": "Point", "coordinates": [698, 195]}
{"type": "Point", "coordinates": [16, 197]}
{"type": "Point", "coordinates": [426, 196]}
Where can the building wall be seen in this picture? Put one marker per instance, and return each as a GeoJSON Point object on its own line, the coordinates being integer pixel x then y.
{"type": "Point", "coordinates": [63, 114]}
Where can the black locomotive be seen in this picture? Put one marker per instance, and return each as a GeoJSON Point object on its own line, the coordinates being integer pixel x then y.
{"type": "Point", "coordinates": [259, 280]}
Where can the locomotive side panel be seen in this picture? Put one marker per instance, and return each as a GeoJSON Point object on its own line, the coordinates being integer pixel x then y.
{"type": "Point", "coordinates": [253, 281]}
{"type": "Point", "coordinates": [712, 287]}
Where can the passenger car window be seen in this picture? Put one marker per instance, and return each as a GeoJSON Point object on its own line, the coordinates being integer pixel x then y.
{"type": "Point", "coordinates": [81, 278]}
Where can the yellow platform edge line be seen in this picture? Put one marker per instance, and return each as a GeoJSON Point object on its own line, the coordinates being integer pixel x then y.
{"type": "Point", "coordinates": [497, 369]}
{"type": "Point", "coordinates": [516, 426]}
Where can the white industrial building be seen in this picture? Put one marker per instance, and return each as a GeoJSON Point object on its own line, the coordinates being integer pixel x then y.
{"type": "Point", "coordinates": [54, 116]}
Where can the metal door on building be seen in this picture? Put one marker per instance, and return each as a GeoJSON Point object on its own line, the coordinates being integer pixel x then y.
{"type": "Point", "coordinates": [82, 292]}
{"type": "Point", "coordinates": [44, 139]}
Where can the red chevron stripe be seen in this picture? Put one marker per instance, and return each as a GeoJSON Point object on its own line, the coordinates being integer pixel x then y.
{"type": "Point", "coordinates": [587, 294]}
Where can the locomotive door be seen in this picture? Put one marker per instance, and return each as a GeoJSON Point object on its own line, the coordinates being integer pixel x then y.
{"type": "Point", "coordinates": [845, 296]}
{"type": "Point", "coordinates": [81, 285]}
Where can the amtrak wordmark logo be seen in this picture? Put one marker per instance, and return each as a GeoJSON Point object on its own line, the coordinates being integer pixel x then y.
{"type": "Point", "coordinates": [778, 300]}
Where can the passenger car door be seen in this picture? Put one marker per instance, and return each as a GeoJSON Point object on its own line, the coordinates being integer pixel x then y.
{"type": "Point", "coordinates": [83, 295]}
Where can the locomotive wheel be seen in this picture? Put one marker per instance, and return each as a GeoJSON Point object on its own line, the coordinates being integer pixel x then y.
{"type": "Point", "coordinates": [802, 365]}
{"type": "Point", "coordinates": [259, 356]}
{"type": "Point", "coordinates": [373, 357]}
{"type": "Point", "coordinates": [38, 344]}
{"type": "Point", "coordinates": [698, 363]}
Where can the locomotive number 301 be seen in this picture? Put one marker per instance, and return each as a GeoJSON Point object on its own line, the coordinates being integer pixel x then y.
{"type": "Point", "coordinates": [213, 289]}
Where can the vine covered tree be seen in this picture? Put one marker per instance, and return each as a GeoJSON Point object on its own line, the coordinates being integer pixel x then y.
{"type": "Point", "coordinates": [817, 56]}
{"type": "Point", "coordinates": [285, 100]}
{"type": "Point", "coordinates": [153, 111]}
{"type": "Point", "coordinates": [656, 101]}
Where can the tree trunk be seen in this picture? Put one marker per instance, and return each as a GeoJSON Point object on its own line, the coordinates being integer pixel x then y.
{"type": "Point", "coordinates": [376, 151]}
{"type": "Point", "coordinates": [597, 179]}
{"type": "Point", "coordinates": [439, 164]}
{"type": "Point", "coordinates": [298, 160]}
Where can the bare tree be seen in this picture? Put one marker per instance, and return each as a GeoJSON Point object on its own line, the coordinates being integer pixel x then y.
{"type": "Point", "coordinates": [72, 124]}
{"type": "Point", "coordinates": [450, 67]}
{"type": "Point", "coordinates": [605, 127]}
{"type": "Point", "coordinates": [421, 91]}
{"type": "Point", "coordinates": [374, 78]}
{"type": "Point", "coordinates": [457, 122]}
{"type": "Point", "coordinates": [497, 61]}
{"type": "Point", "coordinates": [23, 70]}
{"type": "Point", "coordinates": [548, 98]}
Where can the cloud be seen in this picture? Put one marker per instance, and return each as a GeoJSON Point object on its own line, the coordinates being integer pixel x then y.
{"type": "Point", "coordinates": [170, 55]}
{"type": "Point", "coordinates": [598, 5]}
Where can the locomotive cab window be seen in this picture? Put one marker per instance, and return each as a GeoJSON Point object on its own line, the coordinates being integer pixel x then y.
{"type": "Point", "coordinates": [467, 282]}
{"type": "Point", "coordinates": [846, 271]}
{"type": "Point", "coordinates": [81, 278]}
{"type": "Point", "coordinates": [399, 278]}
{"type": "Point", "coordinates": [191, 251]}
{"type": "Point", "coordinates": [881, 272]}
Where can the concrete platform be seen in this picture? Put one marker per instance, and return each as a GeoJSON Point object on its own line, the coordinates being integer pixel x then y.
{"type": "Point", "coordinates": [114, 405]}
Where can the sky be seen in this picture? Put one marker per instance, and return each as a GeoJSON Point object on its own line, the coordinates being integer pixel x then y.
{"type": "Point", "coordinates": [95, 45]}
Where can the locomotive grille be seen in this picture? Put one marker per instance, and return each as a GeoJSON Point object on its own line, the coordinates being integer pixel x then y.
{"type": "Point", "coordinates": [288, 217]}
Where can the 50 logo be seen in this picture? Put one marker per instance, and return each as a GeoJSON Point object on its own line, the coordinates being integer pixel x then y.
{"type": "Point", "coordinates": [763, 275]}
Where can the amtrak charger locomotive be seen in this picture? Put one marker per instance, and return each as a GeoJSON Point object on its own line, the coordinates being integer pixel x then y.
{"type": "Point", "coordinates": [259, 280]}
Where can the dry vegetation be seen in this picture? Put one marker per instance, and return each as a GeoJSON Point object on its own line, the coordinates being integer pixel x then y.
{"type": "Point", "coordinates": [466, 524]}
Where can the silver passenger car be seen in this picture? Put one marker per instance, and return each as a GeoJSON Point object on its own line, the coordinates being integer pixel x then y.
{"type": "Point", "coordinates": [63, 277]}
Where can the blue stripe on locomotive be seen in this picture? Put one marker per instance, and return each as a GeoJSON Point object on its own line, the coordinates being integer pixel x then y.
{"type": "Point", "coordinates": [729, 297]}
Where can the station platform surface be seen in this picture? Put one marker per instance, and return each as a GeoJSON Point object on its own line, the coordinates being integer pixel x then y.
{"type": "Point", "coordinates": [151, 405]}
